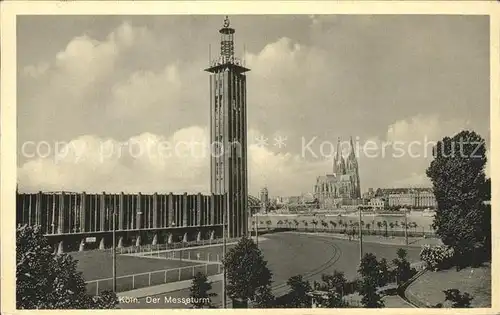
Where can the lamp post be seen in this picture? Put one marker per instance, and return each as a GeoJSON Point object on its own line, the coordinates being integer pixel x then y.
{"type": "Point", "coordinates": [257, 229]}
{"type": "Point", "coordinates": [406, 229]}
{"type": "Point", "coordinates": [360, 238]}
{"type": "Point", "coordinates": [114, 251]}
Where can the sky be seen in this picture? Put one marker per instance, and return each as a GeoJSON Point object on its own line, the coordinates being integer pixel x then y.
{"type": "Point", "coordinates": [99, 95]}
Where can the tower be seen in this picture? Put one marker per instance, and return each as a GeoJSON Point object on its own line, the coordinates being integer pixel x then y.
{"type": "Point", "coordinates": [228, 132]}
{"type": "Point", "coordinates": [264, 199]}
{"type": "Point", "coordinates": [338, 162]}
{"type": "Point", "coordinates": [352, 164]}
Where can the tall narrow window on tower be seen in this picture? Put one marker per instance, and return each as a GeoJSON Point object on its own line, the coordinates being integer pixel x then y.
{"type": "Point", "coordinates": [228, 109]}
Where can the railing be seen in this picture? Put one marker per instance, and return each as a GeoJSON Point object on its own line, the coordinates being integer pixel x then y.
{"type": "Point", "coordinates": [172, 246]}
{"type": "Point", "coordinates": [145, 279]}
{"type": "Point", "coordinates": [189, 254]}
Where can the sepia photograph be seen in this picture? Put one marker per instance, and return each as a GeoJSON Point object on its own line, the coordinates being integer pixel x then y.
{"type": "Point", "coordinates": [249, 160]}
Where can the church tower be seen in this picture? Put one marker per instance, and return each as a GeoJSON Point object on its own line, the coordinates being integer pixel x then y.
{"type": "Point", "coordinates": [228, 132]}
{"type": "Point", "coordinates": [339, 167]}
{"type": "Point", "coordinates": [353, 168]}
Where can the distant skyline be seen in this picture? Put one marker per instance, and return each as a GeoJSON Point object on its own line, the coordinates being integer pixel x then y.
{"type": "Point", "coordinates": [90, 80]}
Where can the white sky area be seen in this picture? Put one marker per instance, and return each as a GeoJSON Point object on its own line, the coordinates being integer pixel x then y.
{"type": "Point", "coordinates": [100, 83]}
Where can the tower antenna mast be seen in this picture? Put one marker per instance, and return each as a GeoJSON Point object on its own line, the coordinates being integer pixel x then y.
{"type": "Point", "coordinates": [243, 61]}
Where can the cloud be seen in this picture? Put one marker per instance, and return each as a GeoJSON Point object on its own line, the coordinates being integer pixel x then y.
{"type": "Point", "coordinates": [150, 162]}
{"type": "Point", "coordinates": [286, 79]}
{"type": "Point", "coordinates": [85, 59]}
{"type": "Point", "coordinates": [134, 86]}
{"type": "Point", "coordinates": [36, 71]}
{"type": "Point", "coordinates": [405, 152]}
{"type": "Point", "coordinates": [146, 90]}
{"type": "Point", "coordinates": [145, 162]}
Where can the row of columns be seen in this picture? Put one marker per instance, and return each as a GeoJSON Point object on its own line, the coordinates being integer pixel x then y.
{"type": "Point", "coordinates": [90, 212]}
{"type": "Point", "coordinates": [60, 245]}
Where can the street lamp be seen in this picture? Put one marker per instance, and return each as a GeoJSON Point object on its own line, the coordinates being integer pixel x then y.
{"type": "Point", "coordinates": [114, 251]}
{"type": "Point", "coordinates": [360, 238]}
{"type": "Point", "coordinates": [256, 229]}
{"type": "Point", "coordinates": [406, 228]}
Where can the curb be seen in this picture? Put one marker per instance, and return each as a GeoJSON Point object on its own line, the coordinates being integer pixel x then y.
{"type": "Point", "coordinates": [340, 237]}
{"type": "Point", "coordinates": [402, 291]}
{"type": "Point", "coordinates": [163, 288]}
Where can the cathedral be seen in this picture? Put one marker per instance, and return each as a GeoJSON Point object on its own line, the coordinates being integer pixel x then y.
{"type": "Point", "coordinates": [342, 187]}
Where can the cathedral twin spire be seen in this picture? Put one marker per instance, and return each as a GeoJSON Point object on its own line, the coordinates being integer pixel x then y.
{"type": "Point", "coordinates": [341, 165]}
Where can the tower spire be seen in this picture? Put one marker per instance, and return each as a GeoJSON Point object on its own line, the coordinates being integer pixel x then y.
{"type": "Point", "coordinates": [352, 155]}
{"type": "Point", "coordinates": [339, 160]}
{"type": "Point", "coordinates": [226, 41]}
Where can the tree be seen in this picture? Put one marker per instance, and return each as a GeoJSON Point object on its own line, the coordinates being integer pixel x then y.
{"type": "Point", "coordinates": [335, 282]}
{"type": "Point", "coordinates": [458, 299]}
{"type": "Point", "coordinates": [370, 268]}
{"type": "Point", "coordinates": [199, 289]}
{"type": "Point", "coordinates": [333, 285]}
{"type": "Point", "coordinates": [372, 277]}
{"type": "Point", "coordinates": [246, 271]}
{"type": "Point", "coordinates": [49, 281]}
{"type": "Point", "coordinates": [462, 220]}
{"type": "Point", "coordinates": [297, 297]}
{"type": "Point", "coordinates": [268, 223]}
{"type": "Point", "coordinates": [314, 223]}
{"type": "Point", "coordinates": [333, 224]}
{"type": "Point", "coordinates": [403, 269]}
{"type": "Point", "coordinates": [324, 224]}
{"type": "Point", "coordinates": [385, 275]}
{"type": "Point", "coordinates": [264, 297]}
{"type": "Point", "coordinates": [370, 297]}
{"type": "Point", "coordinates": [332, 299]}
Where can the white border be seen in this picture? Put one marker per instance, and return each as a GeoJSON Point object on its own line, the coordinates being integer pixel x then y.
{"type": "Point", "coordinates": [8, 150]}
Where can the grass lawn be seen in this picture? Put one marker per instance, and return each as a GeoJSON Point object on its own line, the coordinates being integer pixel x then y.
{"type": "Point", "coordinates": [289, 254]}
{"type": "Point", "coordinates": [204, 253]}
{"type": "Point", "coordinates": [429, 287]}
{"type": "Point", "coordinates": [98, 264]}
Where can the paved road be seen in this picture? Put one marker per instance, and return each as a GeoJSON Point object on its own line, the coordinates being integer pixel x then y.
{"type": "Point", "coordinates": [289, 254]}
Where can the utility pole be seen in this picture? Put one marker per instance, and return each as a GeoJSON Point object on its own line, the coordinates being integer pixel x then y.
{"type": "Point", "coordinates": [360, 238]}
{"type": "Point", "coordinates": [257, 229]}
{"type": "Point", "coordinates": [406, 228]}
{"type": "Point", "coordinates": [114, 251]}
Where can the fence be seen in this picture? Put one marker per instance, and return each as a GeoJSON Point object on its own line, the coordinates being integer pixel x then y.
{"type": "Point", "coordinates": [190, 254]}
{"type": "Point", "coordinates": [141, 280]}
{"type": "Point", "coordinates": [172, 246]}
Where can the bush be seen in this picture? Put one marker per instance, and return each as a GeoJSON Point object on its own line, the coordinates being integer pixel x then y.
{"type": "Point", "coordinates": [403, 271]}
{"type": "Point", "coordinates": [351, 287]}
{"type": "Point", "coordinates": [458, 300]}
{"type": "Point", "coordinates": [437, 257]}
{"type": "Point", "coordinates": [45, 280]}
